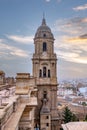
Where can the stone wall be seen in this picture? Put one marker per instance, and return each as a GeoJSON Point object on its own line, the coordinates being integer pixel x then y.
{"type": "Point", "coordinates": [6, 110]}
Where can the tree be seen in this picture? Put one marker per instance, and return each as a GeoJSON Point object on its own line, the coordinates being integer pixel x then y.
{"type": "Point", "coordinates": [74, 117]}
{"type": "Point", "coordinates": [67, 115]}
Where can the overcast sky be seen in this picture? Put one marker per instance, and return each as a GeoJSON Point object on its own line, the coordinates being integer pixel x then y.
{"type": "Point", "coordinates": [19, 20]}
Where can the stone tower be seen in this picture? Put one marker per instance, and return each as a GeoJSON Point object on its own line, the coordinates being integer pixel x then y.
{"type": "Point", "coordinates": [45, 70]}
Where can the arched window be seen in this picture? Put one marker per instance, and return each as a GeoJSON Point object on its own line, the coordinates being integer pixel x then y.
{"type": "Point", "coordinates": [44, 46]}
{"type": "Point", "coordinates": [44, 35]}
{"type": "Point", "coordinates": [48, 73]}
{"type": "Point", "coordinates": [40, 73]}
{"type": "Point", "coordinates": [45, 94]}
{"type": "Point", "coordinates": [44, 71]}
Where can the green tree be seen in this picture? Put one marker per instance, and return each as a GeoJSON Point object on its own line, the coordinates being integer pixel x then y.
{"type": "Point", "coordinates": [74, 117]}
{"type": "Point", "coordinates": [67, 115]}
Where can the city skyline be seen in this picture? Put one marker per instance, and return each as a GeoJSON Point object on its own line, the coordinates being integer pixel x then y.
{"type": "Point", "coordinates": [68, 22]}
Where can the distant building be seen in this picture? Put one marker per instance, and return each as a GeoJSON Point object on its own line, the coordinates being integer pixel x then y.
{"type": "Point", "coordinates": [10, 81]}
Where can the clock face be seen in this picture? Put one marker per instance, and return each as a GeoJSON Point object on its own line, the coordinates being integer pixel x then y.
{"type": "Point", "coordinates": [44, 54]}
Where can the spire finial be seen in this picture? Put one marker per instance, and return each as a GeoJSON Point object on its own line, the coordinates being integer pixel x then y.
{"type": "Point", "coordinates": [43, 20]}
{"type": "Point", "coordinates": [43, 15]}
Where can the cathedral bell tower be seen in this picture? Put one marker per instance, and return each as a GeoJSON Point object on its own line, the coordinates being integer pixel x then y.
{"type": "Point", "coordinates": [44, 69]}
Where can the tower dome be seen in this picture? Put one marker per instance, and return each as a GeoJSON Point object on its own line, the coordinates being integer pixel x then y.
{"type": "Point", "coordinates": [44, 31]}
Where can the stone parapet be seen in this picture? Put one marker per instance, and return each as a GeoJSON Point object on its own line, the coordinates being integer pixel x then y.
{"type": "Point", "coordinates": [42, 57]}
{"type": "Point", "coordinates": [22, 75]}
{"type": "Point", "coordinates": [6, 110]}
{"type": "Point", "coordinates": [44, 81]}
{"type": "Point", "coordinates": [24, 82]}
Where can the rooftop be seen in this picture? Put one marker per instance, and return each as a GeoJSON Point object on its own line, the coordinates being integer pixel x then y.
{"type": "Point", "coordinates": [75, 126]}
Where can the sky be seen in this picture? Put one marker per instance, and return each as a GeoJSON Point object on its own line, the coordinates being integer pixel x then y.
{"type": "Point", "coordinates": [19, 20]}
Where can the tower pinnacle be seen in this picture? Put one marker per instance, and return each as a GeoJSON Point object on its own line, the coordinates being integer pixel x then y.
{"type": "Point", "coordinates": [43, 20]}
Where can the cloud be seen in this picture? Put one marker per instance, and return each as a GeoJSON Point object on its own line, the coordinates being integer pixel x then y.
{"type": "Point", "coordinates": [50, 0]}
{"type": "Point", "coordinates": [81, 40]}
{"type": "Point", "coordinates": [59, 1]}
{"type": "Point", "coordinates": [21, 39]}
{"type": "Point", "coordinates": [74, 26]}
{"type": "Point", "coordinates": [20, 53]}
{"type": "Point", "coordinates": [47, 0]}
{"type": "Point", "coordinates": [2, 40]}
{"type": "Point", "coordinates": [72, 49]}
{"type": "Point", "coordinates": [72, 57]}
{"type": "Point", "coordinates": [71, 42]}
{"type": "Point", "coordinates": [7, 50]}
{"type": "Point", "coordinates": [84, 36]}
{"type": "Point", "coordinates": [84, 20]}
{"type": "Point", "coordinates": [81, 7]}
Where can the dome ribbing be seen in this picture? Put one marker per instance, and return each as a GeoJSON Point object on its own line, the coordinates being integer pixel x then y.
{"type": "Point", "coordinates": [44, 31]}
